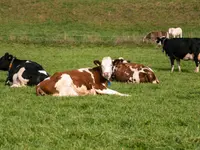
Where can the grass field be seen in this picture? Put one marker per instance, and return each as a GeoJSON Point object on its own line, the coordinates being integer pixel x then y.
{"type": "Point", "coordinates": [70, 34]}
{"type": "Point", "coordinates": [163, 116]}
{"type": "Point", "coordinates": [94, 21]}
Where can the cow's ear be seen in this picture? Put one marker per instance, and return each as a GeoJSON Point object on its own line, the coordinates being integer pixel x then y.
{"type": "Point", "coordinates": [97, 62]}
{"type": "Point", "coordinates": [8, 56]}
{"type": "Point", "coordinates": [116, 61]}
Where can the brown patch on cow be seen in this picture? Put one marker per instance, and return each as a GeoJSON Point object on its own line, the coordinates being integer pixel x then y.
{"type": "Point", "coordinates": [123, 73]}
{"type": "Point", "coordinates": [48, 85]}
{"type": "Point", "coordinates": [152, 36]}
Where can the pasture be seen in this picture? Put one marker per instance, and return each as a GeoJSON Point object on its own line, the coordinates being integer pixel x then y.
{"type": "Point", "coordinates": [163, 116]}
{"type": "Point", "coordinates": [70, 34]}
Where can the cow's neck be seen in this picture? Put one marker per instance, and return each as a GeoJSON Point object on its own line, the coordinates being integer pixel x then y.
{"type": "Point", "coordinates": [14, 63]}
{"type": "Point", "coordinates": [98, 71]}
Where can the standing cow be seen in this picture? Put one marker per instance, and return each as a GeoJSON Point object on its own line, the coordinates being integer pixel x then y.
{"type": "Point", "coordinates": [22, 72]}
{"type": "Point", "coordinates": [175, 32]}
{"type": "Point", "coordinates": [124, 71]}
{"type": "Point", "coordinates": [181, 48]}
{"type": "Point", "coordinates": [85, 81]}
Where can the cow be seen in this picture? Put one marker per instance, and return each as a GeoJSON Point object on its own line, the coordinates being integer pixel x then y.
{"type": "Point", "coordinates": [151, 36]}
{"type": "Point", "coordinates": [125, 71]}
{"type": "Point", "coordinates": [175, 32]}
{"type": "Point", "coordinates": [181, 48]}
{"type": "Point", "coordinates": [21, 72]}
{"type": "Point", "coordinates": [80, 82]}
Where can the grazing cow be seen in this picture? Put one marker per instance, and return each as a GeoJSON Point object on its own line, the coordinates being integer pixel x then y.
{"type": "Point", "coordinates": [151, 36]}
{"type": "Point", "coordinates": [22, 72]}
{"type": "Point", "coordinates": [124, 71]}
{"type": "Point", "coordinates": [85, 81]}
{"type": "Point", "coordinates": [175, 32]}
{"type": "Point", "coordinates": [181, 48]}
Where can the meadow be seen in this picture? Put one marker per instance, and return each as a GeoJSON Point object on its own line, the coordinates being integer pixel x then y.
{"type": "Point", "coordinates": [163, 116]}
{"type": "Point", "coordinates": [70, 34]}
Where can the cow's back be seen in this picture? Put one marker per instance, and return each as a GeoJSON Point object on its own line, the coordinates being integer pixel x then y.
{"type": "Point", "coordinates": [178, 47]}
{"type": "Point", "coordinates": [73, 83]}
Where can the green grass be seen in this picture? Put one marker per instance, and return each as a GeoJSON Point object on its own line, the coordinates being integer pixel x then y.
{"type": "Point", "coordinates": [163, 116]}
{"type": "Point", "coordinates": [94, 21]}
{"type": "Point", "coordinates": [70, 34]}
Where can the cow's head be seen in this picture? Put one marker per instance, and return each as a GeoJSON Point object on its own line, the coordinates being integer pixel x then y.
{"type": "Point", "coordinates": [5, 61]}
{"type": "Point", "coordinates": [160, 40]}
{"type": "Point", "coordinates": [106, 67]}
{"type": "Point", "coordinates": [120, 60]}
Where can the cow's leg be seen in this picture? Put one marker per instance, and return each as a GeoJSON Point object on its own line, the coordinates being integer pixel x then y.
{"type": "Point", "coordinates": [16, 82]}
{"type": "Point", "coordinates": [197, 64]}
{"type": "Point", "coordinates": [23, 81]}
{"type": "Point", "coordinates": [110, 92]}
{"type": "Point", "coordinates": [7, 81]}
{"type": "Point", "coordinates": [178, 63]}
{"type": "Point", "coordinates": [172, 63]}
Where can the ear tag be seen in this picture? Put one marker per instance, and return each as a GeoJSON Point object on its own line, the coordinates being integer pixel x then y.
{"type": "Point", "coordinates": [109, 83]}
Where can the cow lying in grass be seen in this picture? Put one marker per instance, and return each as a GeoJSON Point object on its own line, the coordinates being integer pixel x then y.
{"type": "Point", "coordinates": [124, 71]}
{"type": "Point", "coordinates": [22, 72]}
{"type": "Point", "coordinates": [181, 48]}
{"type": "Point", "coordinates": [85, 81]}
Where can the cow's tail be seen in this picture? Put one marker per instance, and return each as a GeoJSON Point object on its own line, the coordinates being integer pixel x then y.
{"type": "Point", "coordinates": [39, 91]}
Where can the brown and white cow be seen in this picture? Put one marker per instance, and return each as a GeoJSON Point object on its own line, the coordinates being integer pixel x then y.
{"type": "Point", "coordinates": [85, 81]}
{"type": "Point", "coordinates": [152, 36]}
{"type": "Point", "coordinates": [124, 71]}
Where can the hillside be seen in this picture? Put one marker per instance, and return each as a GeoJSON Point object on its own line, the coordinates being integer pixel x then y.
{"type": "Point", "coordinates": [94, 20]}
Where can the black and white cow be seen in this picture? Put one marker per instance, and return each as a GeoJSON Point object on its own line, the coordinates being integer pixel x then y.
{"type": "Point", "coordinates": [181, 48]}
{"type": "Point", "coordinates": [22, 72]}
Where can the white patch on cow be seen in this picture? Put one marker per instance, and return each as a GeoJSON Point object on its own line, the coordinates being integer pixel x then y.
{"type": "Point", "coordinates": [106, 66]}
{"type": "Point", "coordinates": [130, 80]}
{"type": "Point", "coordinates": [136, 78]}
{"type": "Point", "coordinates": [110, 92]}
{"type": "Point", "coordinates": [65, 86]}
{"type": "Point", "coordinates": [155, 82]}
{"type": "Point", "coordinates": [179, 66]}
{"type": "Point", "coordinates": [47, 78]}
{"type": "Point", "coordinates": [172, 68]}
{"type": "Point", "coordinates": [126, 73]}
{"type": "Point", "coordinates": [18, 80]}
{"type": "Point", "coordinates": [28, 61]}
{"type": "Point", "coordinates": [189, 56]}
{"type": "Point", "coordinates": [87, 70]}
{"type": "Point", "coordinates": [23, 81]}
{"type": "Point", "coordinates": [43, 72]}
{"type": "Point", "coordinates": [84, 91]}
{"type": "Point", "coordinates": [83, 69]}
{"type": "Point", "coordinates": [197, 69]}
